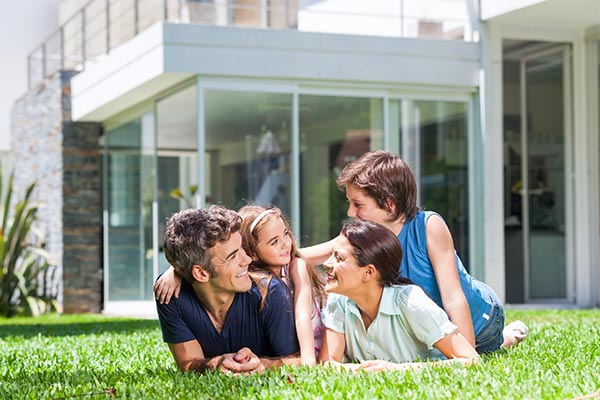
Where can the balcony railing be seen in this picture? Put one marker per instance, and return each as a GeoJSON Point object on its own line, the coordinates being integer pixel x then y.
{"type": "Point", "coordinates": [101, 25]}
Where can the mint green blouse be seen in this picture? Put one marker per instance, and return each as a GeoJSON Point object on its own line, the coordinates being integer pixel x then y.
{"type": "Point", "coordinates": [407, 325]}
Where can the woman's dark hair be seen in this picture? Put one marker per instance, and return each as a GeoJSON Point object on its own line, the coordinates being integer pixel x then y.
{"type": "Point", "coordinates": [375, 244]}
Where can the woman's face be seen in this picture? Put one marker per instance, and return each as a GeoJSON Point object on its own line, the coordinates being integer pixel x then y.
{"type": "Point", "coordinates": [343, 273]}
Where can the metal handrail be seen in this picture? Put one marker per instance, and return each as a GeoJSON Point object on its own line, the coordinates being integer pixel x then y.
{"type": "Point", "coordinates": [92, 31]}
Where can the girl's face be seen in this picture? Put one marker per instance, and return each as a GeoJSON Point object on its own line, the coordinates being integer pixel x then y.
{"type": "Point", "coordinates": [343, 273]}
{"type": "Point", "coordinates": [274, 243]}
{"type": "Point", "coordinates": [363, 207]}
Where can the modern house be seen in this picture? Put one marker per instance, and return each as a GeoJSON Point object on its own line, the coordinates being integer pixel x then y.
{"type": "Point", "coordinates": [158, 105]}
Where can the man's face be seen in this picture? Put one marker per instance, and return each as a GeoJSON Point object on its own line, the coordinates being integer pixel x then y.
{"type": "Point", "coordinates": [230, 263]}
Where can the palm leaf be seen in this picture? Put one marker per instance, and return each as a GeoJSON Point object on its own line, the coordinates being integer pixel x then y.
{"type": "Point", "coordinates": [22, 256]}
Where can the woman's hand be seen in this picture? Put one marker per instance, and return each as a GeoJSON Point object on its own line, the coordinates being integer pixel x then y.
{"type": "Point", "coordinates": [168, 285]}
{"type": "Point", "coordinates": [342, 366]}
{"type": "Point", "coordinates": [380, 365]}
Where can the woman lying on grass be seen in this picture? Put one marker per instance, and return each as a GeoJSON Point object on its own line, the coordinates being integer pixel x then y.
{"type": "Point", "coordinates": [381, 320]}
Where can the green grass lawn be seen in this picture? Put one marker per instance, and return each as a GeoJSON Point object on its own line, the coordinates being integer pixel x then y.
{"type": "Point", "coordinates": [95, 357]}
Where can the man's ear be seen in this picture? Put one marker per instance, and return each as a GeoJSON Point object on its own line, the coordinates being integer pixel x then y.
{"type": "Point", "coordinates": [368, 272]}
{"type": "Point", "coordinates": [200, 274]}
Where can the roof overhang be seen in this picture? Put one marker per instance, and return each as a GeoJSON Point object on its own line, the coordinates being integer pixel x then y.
{"type": "Point", "coordinates": [167, 54]}
{"type": "Point", "coordinates": [579, 14]}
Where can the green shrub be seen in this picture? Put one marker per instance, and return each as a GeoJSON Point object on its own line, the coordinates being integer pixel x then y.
{"type": "Point", "coordinates": [24, 261]}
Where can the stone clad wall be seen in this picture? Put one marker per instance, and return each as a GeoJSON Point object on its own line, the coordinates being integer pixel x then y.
{"type": "Point", "coordinates": [81, 215]}
{"type": "Point", "coordinates": [36, 147]}
{"type": "Point", "coordinates": [63, 158]}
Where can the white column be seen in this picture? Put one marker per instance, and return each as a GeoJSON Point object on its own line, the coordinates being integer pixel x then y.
{"type": "Point", "coordinates": [584, 211]}
{"type": "Point", "coordinates": [593, 118]}
{"type": "Point", "coordinates": [492, 145]}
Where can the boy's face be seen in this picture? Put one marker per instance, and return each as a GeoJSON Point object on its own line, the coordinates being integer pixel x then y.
{"type": "Point", "coordinates": [363, 207]}
{"type": "Point", "coordinates": [230, 263]}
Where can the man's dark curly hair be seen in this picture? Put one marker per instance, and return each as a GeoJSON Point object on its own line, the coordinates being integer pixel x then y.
{"type": "Point", "coordinates": [191, 233]}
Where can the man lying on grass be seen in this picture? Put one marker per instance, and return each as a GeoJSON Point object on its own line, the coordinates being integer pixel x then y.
{"type": "Point", "coordinates": [215, 324]}
{"type": "Point", "coordinates": [381, 320]}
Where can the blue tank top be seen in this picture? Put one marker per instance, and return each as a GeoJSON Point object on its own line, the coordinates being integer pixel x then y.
{"type": "Point", "coordinates": [416, 266]}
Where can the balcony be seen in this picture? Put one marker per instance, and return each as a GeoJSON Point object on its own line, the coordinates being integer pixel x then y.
{"type": "Point", "coordinates": [101, 25]}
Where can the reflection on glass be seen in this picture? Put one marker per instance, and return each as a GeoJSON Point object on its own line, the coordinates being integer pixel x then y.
{"type": "Point", "coordinates": [333, 132]}
{"type": "Point", "coordinates": [130, 194]}
{"type": "Point", "coordinates": [248, 148]}
{"type": "Point", "coordinates": [442, 165]}
{"type": "Point", "coordinates": [177, 159]}
{"type": "Point", "coordinates": [513, 183]}
{"type": "Point", "coordinates": [546, 181]}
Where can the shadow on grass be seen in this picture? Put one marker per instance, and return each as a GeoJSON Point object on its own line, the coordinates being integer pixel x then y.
{"type": "Point", "coordinates": [77, 328]}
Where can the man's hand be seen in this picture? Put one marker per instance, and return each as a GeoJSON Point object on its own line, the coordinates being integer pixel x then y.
{"type": "Point", "coordinates": [243, 362]}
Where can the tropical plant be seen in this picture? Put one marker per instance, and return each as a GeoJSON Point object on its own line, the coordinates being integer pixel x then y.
{"type": "Point", "coordinates": [25, 267]}
{"type": "Point", "coordinates": [178, 194]}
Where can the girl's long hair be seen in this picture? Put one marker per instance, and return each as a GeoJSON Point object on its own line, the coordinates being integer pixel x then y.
{"type": "Point", "coordinates": [259, 272]}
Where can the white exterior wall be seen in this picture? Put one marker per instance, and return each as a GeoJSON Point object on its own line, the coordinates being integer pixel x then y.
{"type": "Point", "coordinates": [583, 230]}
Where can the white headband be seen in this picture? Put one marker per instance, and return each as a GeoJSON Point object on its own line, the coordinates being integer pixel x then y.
{"type": "Point", "coordinates": [259, 217]}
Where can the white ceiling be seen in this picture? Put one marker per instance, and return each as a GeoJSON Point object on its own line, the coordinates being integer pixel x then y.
{"type": "Point", "coordinates": [557, 13]}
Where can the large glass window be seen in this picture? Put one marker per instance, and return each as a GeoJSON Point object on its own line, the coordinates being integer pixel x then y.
{"type": "Point", "coordinates": [130, 192]}
{"type": "Point", "coordinates": [177, 158]}
{"type": "Point", "coordinates": [152, 167]}
{"type": "Point", "coordinates": [433, 141]}
{"type": "Point", "coordinates": [442, 165]}
{"type": "Point", "coordinates": [248, 148]}
{"type": "Point", "coordinates": [333, 132]}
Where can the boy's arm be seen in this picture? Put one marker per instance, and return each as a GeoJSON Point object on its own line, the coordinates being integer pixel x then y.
{"type": "Point", "coordinates": [303, 308]}
{"type": "Point", "coordinates": [317, 254]}
{"type": "Point", "coordinates": [440, 249]}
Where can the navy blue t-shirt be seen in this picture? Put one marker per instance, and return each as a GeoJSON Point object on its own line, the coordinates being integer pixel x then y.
{"type": "Point", "coordinates": [270, 333]}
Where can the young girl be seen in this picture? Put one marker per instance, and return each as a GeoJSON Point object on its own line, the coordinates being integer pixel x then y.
{"type": "Point", "coordinates": [382, 321]}
{"type": "Point", "coordinates": [267, 239]}
{"type": "Point", "coordinates": [381, 188]}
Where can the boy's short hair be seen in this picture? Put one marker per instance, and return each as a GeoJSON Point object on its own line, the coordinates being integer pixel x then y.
{"type": "Point", "coordinates": [191, 233]}
{"type": "Point", "coordinates": [383, 175]}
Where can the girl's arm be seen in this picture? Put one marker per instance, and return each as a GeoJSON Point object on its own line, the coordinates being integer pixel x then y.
{"type": "Point", "coordinates": [440, 249]}
{"type": "Point", "coordinates": [303, 308]}
{"type": "Point", "coordinates": [167, 285]}
{"type": "Point", "coordinates": [318, 253]}
{"type": "Point", "coordinates": [454, 346]}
